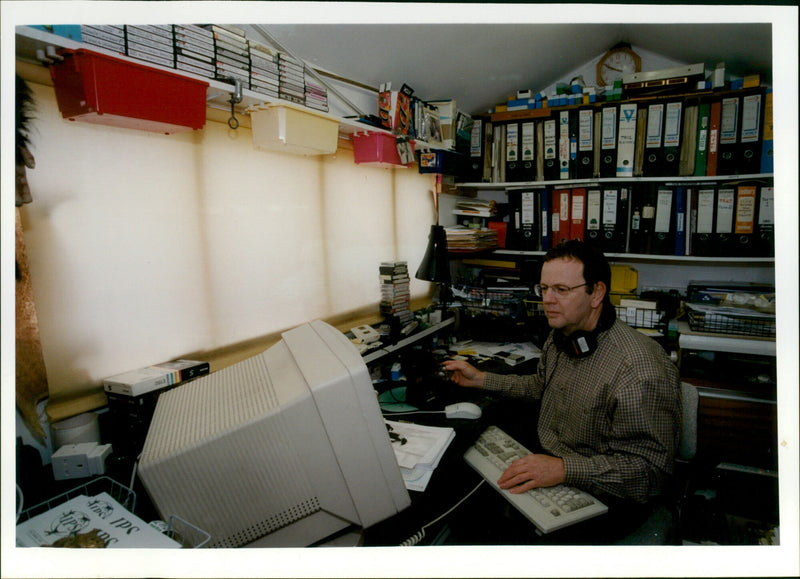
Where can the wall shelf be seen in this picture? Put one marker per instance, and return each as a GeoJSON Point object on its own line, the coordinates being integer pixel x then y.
{"type": "Point", "coordinates": [30, 40]}
{"type": "Point", "coordinates": [667, 180]}
{"type": "Point", "coordinates": [697, 260]}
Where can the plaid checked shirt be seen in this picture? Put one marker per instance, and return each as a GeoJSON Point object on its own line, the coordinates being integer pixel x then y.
{"type": "Point", "coordinates": [613, 417]}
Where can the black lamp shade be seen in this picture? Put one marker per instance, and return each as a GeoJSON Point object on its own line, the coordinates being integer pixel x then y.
{"type": "Point", "coordinates": [435, 265]}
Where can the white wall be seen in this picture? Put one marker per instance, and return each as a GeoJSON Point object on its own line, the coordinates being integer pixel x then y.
{"type": "Point", "coordinates": [144, 247]}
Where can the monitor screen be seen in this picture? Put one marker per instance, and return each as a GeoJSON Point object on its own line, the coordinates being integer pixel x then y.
{"type": "Point", "coordinates": [282, 449]}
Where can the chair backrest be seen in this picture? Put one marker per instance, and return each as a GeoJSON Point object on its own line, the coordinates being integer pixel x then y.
{"type": "Point", "coordinates": [688, 440]}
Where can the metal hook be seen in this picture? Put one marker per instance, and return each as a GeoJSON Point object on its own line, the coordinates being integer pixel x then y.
{"type": "Point", "coordinates": [233, 122]}
{"type": "Point", "coordinates": [236, 97]}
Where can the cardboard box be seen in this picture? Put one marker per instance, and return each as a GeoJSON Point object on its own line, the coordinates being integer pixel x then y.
{"type": "Point", "coordinates": [158, 377]}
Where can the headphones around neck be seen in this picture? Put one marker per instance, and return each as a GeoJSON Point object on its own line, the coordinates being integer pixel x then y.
{"type": "Point", "coordinates": [581, 343]}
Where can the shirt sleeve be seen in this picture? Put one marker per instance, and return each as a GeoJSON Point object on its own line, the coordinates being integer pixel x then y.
{"type": "Point", "coordinates": [518, 386]}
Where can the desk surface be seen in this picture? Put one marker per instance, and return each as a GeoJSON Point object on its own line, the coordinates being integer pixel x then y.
{"type": "Point", "coordinates": [453, 479]}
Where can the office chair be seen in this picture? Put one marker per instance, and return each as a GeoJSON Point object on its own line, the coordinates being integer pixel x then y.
{"type": "Point", "coordinates": [663, 524]}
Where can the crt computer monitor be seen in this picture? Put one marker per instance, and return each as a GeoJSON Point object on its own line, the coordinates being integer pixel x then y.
{"type": "Point", "coordinates": [283, 449]}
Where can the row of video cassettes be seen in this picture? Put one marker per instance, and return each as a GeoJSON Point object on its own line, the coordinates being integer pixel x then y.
{"type": "Point", "coordinates": [215, 51]}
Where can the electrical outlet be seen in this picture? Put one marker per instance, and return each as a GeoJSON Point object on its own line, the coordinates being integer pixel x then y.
{"type": "Point", "coordinates": [80, 460]}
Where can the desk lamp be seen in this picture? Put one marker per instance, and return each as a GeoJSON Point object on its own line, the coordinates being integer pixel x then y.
{"type": "Point", "coordinates": [435, 264]}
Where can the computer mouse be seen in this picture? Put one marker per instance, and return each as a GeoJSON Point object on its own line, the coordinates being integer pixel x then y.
{"type": "Point", "coordinates": [463, 410]}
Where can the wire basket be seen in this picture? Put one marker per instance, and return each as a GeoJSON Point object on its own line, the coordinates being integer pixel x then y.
{"type": "Point", "coordinates": [639, 317]}
{"type": "Point", "coordinates": [477, 301]}
{"type": "Point", "coordinates": [179, 530]}
{"type": "Point", "coordinates": [183, 532]}
{"type": "Point", "coordinates": [533, 308]}
{"type": "Point", "coordinates": [119, 492]}
{"type": "Point", "coordinates": [727, 320]}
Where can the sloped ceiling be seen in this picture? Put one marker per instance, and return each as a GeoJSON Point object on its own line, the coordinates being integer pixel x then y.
{"type": "Point", "coordinates": [480, 64]}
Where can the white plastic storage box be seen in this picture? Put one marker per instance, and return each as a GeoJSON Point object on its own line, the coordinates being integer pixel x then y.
{"type": "Point", "coordinates": [290, 130]}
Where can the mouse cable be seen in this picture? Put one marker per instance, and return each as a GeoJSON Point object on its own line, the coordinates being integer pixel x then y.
{"type": "Point", "coordinates": [417, 537]}
{"type": "Point", "coordinates": [134, 471]}
{"type": "Point", "coordinates": [392, 413]}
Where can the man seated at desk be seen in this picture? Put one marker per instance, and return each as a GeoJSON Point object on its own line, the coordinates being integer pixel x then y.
{"type": "Point", "coordinates": [610, 397]}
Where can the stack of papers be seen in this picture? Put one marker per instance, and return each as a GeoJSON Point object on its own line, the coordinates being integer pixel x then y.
{"type": "Point", "coordinates": [477, 207]}
{"type": "Point", "coordinates": [418, 450]}
{"type": "Point", "coordinates": [508, 352]}
{"type": "Point", "coordinates": [460, 238]}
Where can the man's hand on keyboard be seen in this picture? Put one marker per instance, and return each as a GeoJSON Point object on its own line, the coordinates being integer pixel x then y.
{"type": "Point", "coordinates": [532, 471]}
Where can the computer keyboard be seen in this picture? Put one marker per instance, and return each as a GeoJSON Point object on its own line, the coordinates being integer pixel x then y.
{"type": "Point", "coordinates": [549, 509]}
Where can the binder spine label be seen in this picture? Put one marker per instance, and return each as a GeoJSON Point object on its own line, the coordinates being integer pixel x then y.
{"type": "Point", "coordinates": [751, 117]}
{"type": "Point", "coordinates": [766, 210]}
{"type": "Point", "coordinates": [527, 142]}
{"type": "Point", "coordinates": [672, 125]}
{"type": "Point", "coordinates": [725, 201]}
{"type": "Point", "coordinates": [512, 142]}
{"type": "Point", "coordinates": [593, 210]}
{"type": "Point", "coordinates": [745, 210]}
{"type": "Point", "coordinates": [610, 207]}
{"type": "Point", "coordinates": [577, 207]}
{"type": "Point", "coordinates": [564, 213]}
{"type": "Point", "coordinates": [527, 208]}
{"type": "Point", "coordinates": [705, 211]}
{"type": "Point", "coordinates": [702, 136]}
{"type": "Point", "coordinates": [655, 114]}
{"type": "Point", "coordinates": [550, 139]}
{"type": "Point", "coordinates": [663, 210]}
{"type": "Point", "coordinates": [627, 140]}
{"type": "Point", "coordinates": [585, 126]}
{"type": "Point", "coordinates": [476, 138]}
{"type": "Point", "coordinates": [563, 145]}
{"type": "Point", "coordinates": [608, 139]}
{"type": "Point", "coordinates": [729, 121]}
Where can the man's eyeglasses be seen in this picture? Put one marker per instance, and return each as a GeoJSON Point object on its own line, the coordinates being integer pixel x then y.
{"type": "Point", "coordinates": [561, 291]}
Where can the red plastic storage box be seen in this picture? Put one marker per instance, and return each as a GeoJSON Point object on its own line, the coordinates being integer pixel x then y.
{"type": "Point", "coordinates": [96, 88]}
{"type": "Point", "coordinates": [378, 150]}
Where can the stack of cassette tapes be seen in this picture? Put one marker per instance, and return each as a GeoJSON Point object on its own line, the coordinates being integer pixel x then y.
{"type": "Point", "coordinates": [194, 50]}
{"type": "Point", "coordinates": [151, 43]}
{"type": "Point", "coordinates": [231, 53]}
{"type": "Point", "coordinates": [395, 302]}
{"type": "Point", "coordinates": [316, 95]}
{"type": "Point", "coordinates": [264, 70]}
{"type": "Point", "coordinates": [292, 85]}
{"type": "Point", "coordinates": [106, 36]}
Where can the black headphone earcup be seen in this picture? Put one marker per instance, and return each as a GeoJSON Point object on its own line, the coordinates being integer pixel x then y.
{"type": "Point", "coordinates": [578, 344]}
{"type": "Point", "coordinates": [581, 343]}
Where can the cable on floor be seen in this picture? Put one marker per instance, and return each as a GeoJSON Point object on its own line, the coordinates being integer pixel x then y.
{"type": "Point", "coordinates": [420, 535]}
